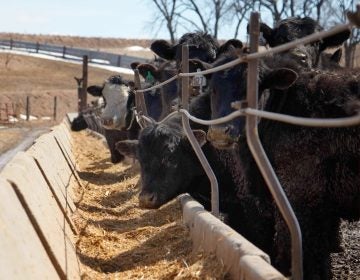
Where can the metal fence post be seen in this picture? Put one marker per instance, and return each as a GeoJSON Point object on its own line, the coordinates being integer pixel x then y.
{"type": "Point", "coordinates": [185, 80]}
{"type": "Point", "coordinates": [190, 135]}
{"type": "Point", "coordinates": [119, 61]}
{"type": "Point", "coordinates": [27, 108]}
{"type": "Point", "coordinates": [37, 47]}
{"type": "Point", "coordinates": [262, 160]}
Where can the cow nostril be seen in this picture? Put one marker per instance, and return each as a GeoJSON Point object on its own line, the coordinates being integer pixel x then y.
{"type": "Point", "coordinates": [227, 129]}
{"type": "Point", "coordinates": [147, 200]}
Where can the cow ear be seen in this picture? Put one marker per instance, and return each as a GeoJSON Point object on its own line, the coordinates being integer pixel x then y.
{"type": "Point", "coordinates": [200, 136]}
{"type": "Point", "coordinates": [127, 148]}
{"type": "Point", "coordinates": [147, 71]}
{"type": "Point", "coordinates": [281, 78]}
{"type": "Point", "coordinates": [267, 32]}
{"type": "Point", "coordinates": [336, 56]}
{"type": "Point", "coordinates": [232, 43]}
{"type": "Point", "coordinates": [95, 90]}
{"type": "Point", "coordinates": [163, 49]}
{"type": "Point", "coordinates": [134, 64]}
{"type": "Point", "coordinates": [334, 40]}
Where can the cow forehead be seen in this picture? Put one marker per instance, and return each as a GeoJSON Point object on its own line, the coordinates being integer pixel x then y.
{"type": "Point", "coordinates": [114, 92]}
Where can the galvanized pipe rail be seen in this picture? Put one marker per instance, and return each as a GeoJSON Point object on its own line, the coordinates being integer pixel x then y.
{"type": "Point", "coordinates": [261, 159]}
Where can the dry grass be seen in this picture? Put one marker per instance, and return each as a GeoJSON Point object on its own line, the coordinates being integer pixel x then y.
{"type": "Point", "coordinates": [118, 240]}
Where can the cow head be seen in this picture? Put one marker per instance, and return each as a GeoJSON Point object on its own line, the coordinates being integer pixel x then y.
{"type": "Point", "coordinates": [168, 164]}
{"type": "Point", "coordinates": [230, 85]}
{"type": "Point", "coordinates": [293, 28]}
{"type": "Point", "coordinates": [115, 94]}
{"type": "Point", "coordinates": [201, 45]}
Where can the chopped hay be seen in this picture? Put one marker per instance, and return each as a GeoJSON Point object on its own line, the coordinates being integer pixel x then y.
{"type": "Point", "coordinates": [117, 239]}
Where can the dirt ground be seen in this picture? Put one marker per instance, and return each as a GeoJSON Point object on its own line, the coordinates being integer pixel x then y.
{"type": "Point", "coordinates": [118, 240]}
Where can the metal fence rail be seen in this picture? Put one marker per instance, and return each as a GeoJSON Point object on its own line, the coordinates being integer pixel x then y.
{"type": "Point", "coordinates": [251, 114]}
{"type": "Point", "coordinates": [103, 58]}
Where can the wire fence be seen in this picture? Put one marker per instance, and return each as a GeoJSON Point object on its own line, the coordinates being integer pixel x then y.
{"type": "Point", "coordinates": [252, 113]}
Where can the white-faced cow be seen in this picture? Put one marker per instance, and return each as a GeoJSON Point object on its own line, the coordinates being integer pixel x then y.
{"type": "Point", "coordinates": [115, 91]}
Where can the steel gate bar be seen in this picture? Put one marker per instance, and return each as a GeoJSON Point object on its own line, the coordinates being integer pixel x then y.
{"type": "Point", "coordinates": [261, 159]}
{"type": "Point", "coordinates": [190, 135]}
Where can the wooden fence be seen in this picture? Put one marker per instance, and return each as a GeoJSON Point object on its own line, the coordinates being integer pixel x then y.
{"type": "Point", "coordinates": [71, 53]}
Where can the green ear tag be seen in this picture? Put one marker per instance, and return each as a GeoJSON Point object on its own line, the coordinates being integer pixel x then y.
{"type": "Point", "coordinates": [149, 77]}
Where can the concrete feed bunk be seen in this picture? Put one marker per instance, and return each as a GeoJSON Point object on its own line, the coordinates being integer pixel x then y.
{"type": "Point", "coordinates": [69, 213]}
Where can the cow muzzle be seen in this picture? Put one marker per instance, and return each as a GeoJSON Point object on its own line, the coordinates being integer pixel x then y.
{"type": "Point", "coordinates": [220, 137]}
{"type": "Point", "coordinates": [148, 200]}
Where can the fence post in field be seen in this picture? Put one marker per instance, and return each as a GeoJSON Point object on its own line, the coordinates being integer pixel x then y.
{"type": "Point", "coordinates": [64, 52]}
{"type": "Point", "coordinates": [27, 108]}
{"type": "Point", "coordinates": [55, 107]}
{"type": "Point", "coordinates": [119, 61]}
{"type": "Point", "coordinates": [7, 110]}
{"type": "Point", "coordinates": [37, 47]}
{"type": "Point", "coordinates": [79, 89]}
{"type": "Point", "coordinates": [11, 43]}
{"type": "Point", "coordinates": [83, 94]}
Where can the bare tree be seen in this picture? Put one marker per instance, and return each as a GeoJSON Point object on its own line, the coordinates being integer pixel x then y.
{"type": "Point", "coordinates": [336, 13]}
{"type": "Point", "coordinates": [313, 8]}
{"type": "Point", "coordinates": [277, 8]}
{"type": "Point", "coordinates": [167, 9]}
{"type": "Point", "coordinates": [210, 13]}
{"type": "Point", "coordinates": [241, 10]}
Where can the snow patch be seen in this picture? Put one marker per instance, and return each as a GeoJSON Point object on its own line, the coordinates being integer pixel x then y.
{"type": "Point", "coordinates": [137, 49]}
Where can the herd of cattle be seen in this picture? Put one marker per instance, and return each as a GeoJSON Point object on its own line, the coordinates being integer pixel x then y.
{"type": "Point", "coordinates": [318, 168]}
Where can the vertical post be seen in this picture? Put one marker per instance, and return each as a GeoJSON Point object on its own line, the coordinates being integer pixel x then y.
{"type": "Point", "coordinates": [119, 61]}
{"type": "Point", "coordinates": [83, 96]}
{"type": "Point", "coordinates": [11, 43]}
{"type": "Point", "coordinates": [55, 107]}
{"type": "Point", "coordinates": [6, 111]}
{"type": "Point", "coordinates": [262, 160]}
{"type": "Point", "coordinates": [27, 108]}
{"type": "Point", "coordinates": [37, 47]}
{"type": "Point", "coordinates": [79, 89]}
{"type": "Point", "coordinates": [185, 80]}
{"type": "Point", "coordinates": [64, 52]}
{"type": "Point", "coordinates": [139, 96]}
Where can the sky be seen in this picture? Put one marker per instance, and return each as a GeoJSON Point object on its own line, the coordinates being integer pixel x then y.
{"type": "Point", "coordinates": [91, 18]}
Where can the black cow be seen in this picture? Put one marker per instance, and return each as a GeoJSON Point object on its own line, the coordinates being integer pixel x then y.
{"type": "Point", "coordinates": [293, 28]}
{"type": "Point", "coordinates": [201, 45]}
{"type": "Point", "coordinates": [165, 147]}
{"type": "Point", "coordinates": [317, 167]}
